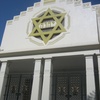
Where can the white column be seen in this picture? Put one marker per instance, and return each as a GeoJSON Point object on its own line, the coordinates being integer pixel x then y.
{"type": "Point", "coordinates": [99, 70]}
{"type": "Point", "coordinates": [98, 18]}
{"type": "Point", "coordinates": [90, 81]}
{"type": "Point", "coordinates": [3, 78]}
{"type": "Point", "coordinates": [36, 87]}
{"type": "Point", "coordinates": [46, 91]}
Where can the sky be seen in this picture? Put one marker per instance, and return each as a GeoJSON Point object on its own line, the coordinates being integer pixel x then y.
{"type": "Point", "coordinates": [11, 8]}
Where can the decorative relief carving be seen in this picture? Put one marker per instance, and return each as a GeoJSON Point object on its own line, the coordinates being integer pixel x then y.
{"type": "Point", "coordinates": [30, 9]}
{"type": "Point", "coordinates": [77, 2]}
{"type": "Point", "coordinates": [69, 1]}
{"type": "Point", "coordinates": [16, 18]}
{"type": "Point", "coordinates": [87, 5]}
{"type": "Point", "coordinates": [97, 9]}
{"type": "Point", "coordinates": [46, 26]}
{"type": "Point", "coordinates": [94, 8]}
{"type": "Point", "coordinates": [9, 22]}
{"type": "Point", "coordinates": [48, 1]}
{"type": "Point", "coordinates": [37, 4]}
{"type": "Point", "coordinates": [23, 13]}
{"type": "Point", "coordinates": [61, 0]}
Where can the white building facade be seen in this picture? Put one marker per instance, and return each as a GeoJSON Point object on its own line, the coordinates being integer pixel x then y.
{"type": "Point", "coordinates": [51, 51]}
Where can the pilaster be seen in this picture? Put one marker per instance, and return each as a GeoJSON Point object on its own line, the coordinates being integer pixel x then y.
{"type": "Point", "coordinates": [99, 71]}
{"type": "Point", "coordinates": [37, 81]}
{"type": "Point", "coordinates": [3, 78]}
{"type": "Point", "coordinates": [46, 91]}
{"type": "Point", "coordinates": [90, 81]}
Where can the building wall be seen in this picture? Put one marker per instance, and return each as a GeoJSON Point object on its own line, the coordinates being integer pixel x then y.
{"type": "Point", "coordinates": [80, 25]}
{"type": "Point", "coordinates": [82, 30]}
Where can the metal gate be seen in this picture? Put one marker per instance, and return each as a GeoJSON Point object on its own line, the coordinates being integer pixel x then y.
{"type": "Point", "coordinates": [18, 87]}
{"type": "Point", "coordinates": [68, 87]}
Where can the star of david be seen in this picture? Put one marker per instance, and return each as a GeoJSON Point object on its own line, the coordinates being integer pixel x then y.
{"type": "Point", "coordinates": [47, 35]}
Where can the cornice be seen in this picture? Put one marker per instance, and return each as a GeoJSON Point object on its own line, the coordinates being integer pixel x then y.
{"type": "Point", "coordinates": [48, 50]}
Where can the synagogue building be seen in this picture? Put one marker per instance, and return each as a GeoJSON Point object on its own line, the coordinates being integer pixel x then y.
{"type": "Point", "coordinates": [51, 51]}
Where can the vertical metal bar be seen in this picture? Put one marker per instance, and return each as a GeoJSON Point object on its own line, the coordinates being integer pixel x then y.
{"type": "Point", "coordinates": [81, 83]}
{"type": "Point", "coordinates": [55, 85]}
{"type": "Point", "coordinates": [52, 87]}
{"type": "Point", "coordinates": [30, 85]}
{"type": "Point", "coordinates": [9, 80]}
{"type": "Point", "coordinates": [18, 94]}
{"type": "Point", "coordinates": [68, 87]}
{"type": "Point", "coordinates": [31, 81]}
{"type": "Point", "coordinates": [84, 85]}
{"type": "Point", "coordinates": [6, 89]}
{"type": "Point", "coordinates": [96, 73]}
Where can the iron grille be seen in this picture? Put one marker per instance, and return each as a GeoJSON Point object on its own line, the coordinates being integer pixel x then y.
{"type": "Point", "coordinates": [18, 87]}
{"type": "Point", "coordinates": [68, 86]}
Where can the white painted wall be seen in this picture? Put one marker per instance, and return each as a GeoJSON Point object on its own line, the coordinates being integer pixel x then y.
{"type": "Point", "coordinates": [90, 81]}
{"type": "Point", "coordinates": [82, 31]}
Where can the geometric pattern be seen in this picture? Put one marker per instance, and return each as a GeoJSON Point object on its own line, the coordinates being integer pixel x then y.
{"type": "Point", "coordinates": [47, 34]}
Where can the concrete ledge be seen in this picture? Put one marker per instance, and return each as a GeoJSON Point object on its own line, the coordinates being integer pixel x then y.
{"type": "Point", "coordinates": [50, 50]}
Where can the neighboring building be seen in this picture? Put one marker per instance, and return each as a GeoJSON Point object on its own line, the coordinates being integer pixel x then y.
{"type": "Point", "coordinates": [51, 51]}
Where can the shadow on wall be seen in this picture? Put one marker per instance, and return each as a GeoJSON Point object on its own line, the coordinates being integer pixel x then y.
{"type": "Point", "coordinates": [91, 96]}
